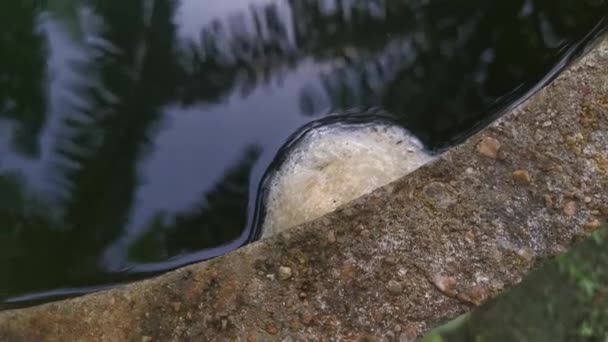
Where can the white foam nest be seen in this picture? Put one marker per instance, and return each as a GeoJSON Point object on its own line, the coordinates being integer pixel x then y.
{"type": "Point", "coordinates": [334, 164]}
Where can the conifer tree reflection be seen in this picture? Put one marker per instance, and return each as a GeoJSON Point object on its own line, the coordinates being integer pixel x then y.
{"type": "Point", "coordinates": [217, 219]}
{"type": "Point", "coordinates": [22, 71]}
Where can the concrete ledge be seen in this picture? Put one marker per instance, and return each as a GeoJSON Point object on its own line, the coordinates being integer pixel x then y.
{"type": "Point", "coordinates": [392, 264]}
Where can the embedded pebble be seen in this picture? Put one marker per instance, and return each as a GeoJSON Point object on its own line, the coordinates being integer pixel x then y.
{"type": "Point", "coordinates": [592, 225]}
{"type": "Point", "coordinates": [521, 176]}
{"type": "Point", "coordinates": [488, 147]}
{"type": "Point", "coordinates": [391, 260]}
{"type": "Point", "coordinates": [441, 194]}
{"type": "Point", "coordinates": [394, 287]}
{"type": "Point", "coordinates": [331, 236]}
{"type": "Point", "coordinates": [378, 316]}
{"type": "Point", "coordinates": [272, 329]}
{"type": "Point", "coordinates": [548, 201]}
{"type": "Point", "coordinates": [475, 295]}
{"type": "Point", "coordinates": [526, 254]}
{"type": "Point", "coordinates": [306, 317]}
{"type": "Point", "coordinates": [570, 209]}
{"type": "Point", "coordinates": [284, 273]}
{"type": "Point", "coordinates": [445, 284]}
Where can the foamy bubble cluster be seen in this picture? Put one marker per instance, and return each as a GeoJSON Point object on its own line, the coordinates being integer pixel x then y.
{"type": "Point", "coordinates": [332, 165]}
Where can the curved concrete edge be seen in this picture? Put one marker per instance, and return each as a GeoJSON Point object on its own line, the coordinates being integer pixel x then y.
{"type": "Point", "coordinates": [392, 264]}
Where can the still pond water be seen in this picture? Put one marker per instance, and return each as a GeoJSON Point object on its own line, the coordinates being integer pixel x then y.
{"type": "Point", "coordinates": [134, 134]}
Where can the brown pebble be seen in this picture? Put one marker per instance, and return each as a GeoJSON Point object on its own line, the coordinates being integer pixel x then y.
{"type": "Point", "coordinates": [526, 254]}
{"type": "Point", "coordinates": [284, 273]}
{"type": "Point", "coordinates": [521, 176]}
{"type": "Point", "coordinates": [378, 316]}
{"type": "Point", "coordinates": [394, 287]}
{"type": "Point", "coordinates": [469, 237]}
{"type": "Point", "coordinates": [391, 260]}
{"type": "Point", "coordinates": [488, 147]}
{"type": "Point", "coordinates": [570, 209]}
{"type": "Point", "coordinates": [146, 338]}
{"type": "Point", "coordinates": [445, 284]}
{"type": "Point", "coordinates": [306, 317]}
{"type": "Point", "coordinates": [272, 329]}
{"type": "Point", "coordinates": [441, 194]}
{"type": "Point", "coordinates": [478, 295]}
{"type": "Point", "coordinates": [176, 306]}
{"type": "Point", "coordinates": [592, 225]}
{"type": "Point", "coordinates": [548, 201]}
{"type": "Point", "coordinates": [348, 270]}
{"type": "Point", "coordinates": [331, 236]}
{"type": "Point", "coordinates": [475, 295]}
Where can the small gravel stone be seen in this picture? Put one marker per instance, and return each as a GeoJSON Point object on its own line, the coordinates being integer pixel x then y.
{"type": "Point", "coordinates": [570, 209]}
{"type": "Point", "coordinates": [440, 194]}
{"type": "Point", "coordinates": [521, 176]}
{"type": "Point", "coordinates": [391, 260]}
{"type": "Point", "coordinates": [378, 316]}
{"type": "Point", "coordinates": [592, 225]}
{"type": "Point", "coordinates": [272, 329]}
{"type": "Point", "coordinates": [146, 339]}
{"type": "Point", "coordinates": [445, 284]}
{"type": "Point", "coordinates": [469, 237]}
{"type": "Point", "coordinates": [488, 147]}
{"type": "Point", "coordinates": [306, 317]}
{"type": "Point", "coordinates": [548, 201]}
{"type": "Point", "coordinates": [394, 287]}
{"type": "Point", "coordinates": [475, 295]}
{"type": "Point", "coordinates": [526, 254]}
{"type": "Point", "coordinates": [331, 236]}
{"type": "Point", "coordinates": [587, 200]}
{"type": "Point", "coordinates": [285, 272]}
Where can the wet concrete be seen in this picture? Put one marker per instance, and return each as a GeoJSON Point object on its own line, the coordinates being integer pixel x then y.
{"type": "Point", "coordinates": [395, 263]}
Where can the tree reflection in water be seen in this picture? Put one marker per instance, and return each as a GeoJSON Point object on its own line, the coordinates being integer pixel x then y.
{"type": "Point", "coordinates": [441, 67]}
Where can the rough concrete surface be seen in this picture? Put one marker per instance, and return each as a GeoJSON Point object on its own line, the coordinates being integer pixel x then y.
{"type": "Point", "coordinates": [393, 264]}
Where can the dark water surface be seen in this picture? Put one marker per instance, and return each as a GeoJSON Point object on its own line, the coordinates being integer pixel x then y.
{"type": "Point", "coordinates": [134, 134]}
